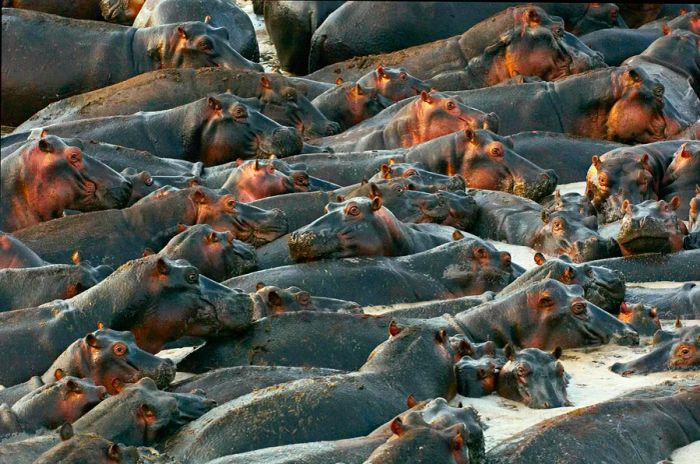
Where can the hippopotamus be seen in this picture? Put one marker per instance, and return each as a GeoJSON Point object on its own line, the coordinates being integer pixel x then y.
{"type": "Point", "coordinates": [87, 447]}
{"type": "Point", "coordinates": [536, 52]}
{"type": "Point", "coordinates": [254, 179]}
{"type": "Point", "coordinates": [477, 377]}
{"type": "Point", "coordinates": [571, 201]}
{"type": "Point", "coordinates": [635, 174]}
{"type": "Point", "coordinates": [650, 267]}
{"type": "Point", "coordinates": [15, 254]}
{"type": "Point", "coordinates": [239, 27]}
{"type": "Point", "coordinates": [608, 432]}
{"type": "Point", "coordinates": [682, 178]}
{"type": "Point", "coordinates": [475, 267]}
{"type": "Point", "coordinates": [566, 106]}
{"type": "Point", "coordinates": [223, 129]}
{"type": "Point", "coordinates": [28, 287]}
{"type": "Point", "coordinates": [47, 177]}
{"type": "Point", "coordinates": [143, 183]}
{"type": "Point", "coordinates": [640, 15]}
{"type": "Point", "coordinates": [269, 300]}
{"type": "Point", "coordinates": [107, 358]}
{"type": "Point", "coordinates": [291, 26]}
{"type": "Point", "coordinates": [281, 99]}
{"type": "Point", "coordinates": [363, 227]}
{"type": "Point", "coordinates": [546, 149]}
{"type": "Point", "coordinates": [393, 83]}
{"type": "Point", "coordinates": [349, 104]}
{"type": "Point", "coordinates": [51, 405]}
{"type": "Point", "coordinates": [601, 286]}
{"type": "Point", "coordinates": [34, 43]}
{"type": "Point", "coordinates": [651, 226]}
{"type": "Point", "coordinates": [217, 255]}
{"type": "Point", "coordinates": [534, 377]}
{"type": "Point", "coordinates": [157, 299]}
{"type": "Point", "coordinates": [682, 352]}
{"type": "Point", "coordinates": [416, 120]}
{"type": "Point", "coordinates": [582, 18]}
{"type": "Point", "coordinates": [386, 383]}
{"type": "Point", "coordinates": [680, 15]}
{"type": "Point", "coordinates": [669, 303]}
{"type": "Point", "coordinates": [150, 223]}
{"type": "Point", "coordinates": [519, 221]}
{"type": "Point", "coordinates": [617, 45]}
{"type": "Point", "coordinates": [417, 173]}
{"type": "Point", "coordinates": [694, 213]}
{"type": "Point", "coordinates": [643, 318]}
{"type": "Point", "coordinates": [122, 12]}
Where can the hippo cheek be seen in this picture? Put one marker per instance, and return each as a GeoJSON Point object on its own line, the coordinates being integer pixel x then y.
{"type": "Point", "coordinates": [281, 142]}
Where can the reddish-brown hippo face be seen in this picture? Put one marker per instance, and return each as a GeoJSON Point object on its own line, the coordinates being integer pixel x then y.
{"type": "Point", "coordinates": [566, 233]}
{"type": "Point", "coordinates": [14, 254]}
{"type": "Point", "coordinates": [534, 377]}
{"type": "Point", "coordinates": [198, 45]}
{"type": "Point", "coordinates": [234, 130]}
{"type": "Point", "coordinates": [121, 11]}
{"type": "Point", "coordinates": [651, 226]}
{"type": "Point", "coordinates": [638, 114]}
{"type": "Point", "coordinates": [685, 354]}
{"type": "Point", "coordinates": [643, 318]}
{"type": "Point", "coordinates": [362, 102]}
{"type": "Point", "coordinates": [256, 179]}
{"type": "Point", "coordinates": [598, 16]}
{"type": "Point", "coordinates": [394, 83]}
{"type": "Point", "coordinates": [270, 300]}
{"type": "Point", "coordinates": [289, 107]}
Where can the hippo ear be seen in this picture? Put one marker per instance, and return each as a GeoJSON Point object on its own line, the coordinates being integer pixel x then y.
{"type": "Point", "coordinates": [274, 298]}
{"type": "Point", "coordinates": [626, 207]}
{"type": "Point", "coordinates": [270, 168]}
{"type": "Point", "coordinates": [91, 340]}
{"type": "Point", "coordinates": [490, 348]}
{"type": "Point", "coordinates": [441, 337]}
{"type": "Point", "coordinates": [376, 203]}
{"type": "Point", "coordinates": [385, 171]}
{"type": "Point", "coordinates": [256, 164]}
{"type": "Point", "coordinates": [457, 441]}
{"type": "Point", "coordinates": [568, 275]}
{"type": "Point", "coordinates": [633, 75]}
{"type": "Point", "coordinates": [394, 329]}
{"type": "Point", "coordinates": [425, 96]}
{"type": "Point", "coordinates": [180, 228]}
{"type": "Point", "coordinates": [147, 412]}
{"type": "Point", "coordinates": [397, 427]}
{"type": "Point", "coordinates": [46, 146]}
{"type": "Point", "coordinates": [162, 267]}
{"type": "Point", "coordinates": [71, 385]}
{"type": "Point", "coordinates": [684, 152]}
{"type": "Point", "coordinates": [466, 348]}
{"type": "Point", "coordinates": [265, 82]}
{"type": "Point", "coordinates": [665, 29]}
{"type": "Point", "coordinates": [411, 401]}
{"type": "Point", "coordinates": [100, 325]}
{"type": "Point", "coordinates": [678, 323]}
{"type": "Point", "coordinates": [259, 286]}
{"type": "Point", "coordinates": [470, 135]}
{"type": "Point", "coordinates": [58, 374]}
{"type": "Point", "coordinates": [675, 202]}
{"type": "Point", "coordinates": [380, 70]}
{"type": "Point", "coordinates": [457, 235]}
{"type": "Point", "coordinates": [43, 134]}
{"type": "Point", "coordinates": [539, 259]}
{"type": "Point", "coordinates": [509, 352]}
{"type": "Point", "coordinates": [207, 19]}
{"type": "Point", "coordinates": [113, 451]}
{"type": "Point", "coordinates": [481, 373]}
{"type": "Point", "coordinates": [181, 30]}
{"type": "Point", "coordinates": [75, 257]}
{"type": "Point", "coordinates": [557, 352]}
{"type": "Point", "coordinates": [339, 81]}
{"type": "Point", "coordinates": [697, 189]}
{"type": "Point", "coordinates": [147, 252]}
{"type": "Point", "coordinates": [339, 198]}
{"type": "Point", "coordinates": [533, 18]}
{"type": "Point", "coordinates": [653, 312]}
{"type": "Point", "coordinates": [545, 216]}
{"type": "Point", "coordinates": [214, 103]}
{"type": "Point", "coordinates": [198, 197]}
{"type": "Point", "coordinates": [66, 431]}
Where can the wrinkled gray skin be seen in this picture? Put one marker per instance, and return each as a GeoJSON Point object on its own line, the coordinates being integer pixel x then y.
{"type": "Point", "coordinates": [269, 300]}
{"type": "Point", "coordinates": [649, 267]}
{"type": "Point", "coordinates": [534, 377]}
{"type": "Point", "coordinates": [682, 302]}
{"type": "Point", "coordinates": [241, 34]}
{"type": "Point", "coordinates": [642, 317]}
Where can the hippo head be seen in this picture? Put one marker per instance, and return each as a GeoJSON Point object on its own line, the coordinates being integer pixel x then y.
{"type": "Point", "coordinates": [487, 161]}
{"type": "Point", "coordinates": [420, 443]}
{"type": "Point", "coordinates": [576, 203]}
{"type": "Point", "coordinates": [270, 300]}
{"type": "Point", "coordinates": [216, 254]}
{"type": "Point", "coordinates": [255, 179]}
{"type": "Point", "coordinates": [679, 47]}
{"type": "Point", "coordinates": [286, 105]}
{"type": "Point", "coordinates": [231, 129]}
{"type": "Point", "coordinates": [355, 227]}
{"type": "Point", "coordinates": [303, 182]}
{"type": "Point", "coordinates": [360, 102]}
{"type": "Point", "coordinates": [476, 377]}
{"type": "Point", "coordinates": [394, 83]}
{"type": "Point", "coordinates": [638, 115]}
{"type": "Point", "coordinates": [65, 400]}
{"type": "Point", "coordinates": [436, 114]}
{"type": "Point", "coordinates": [695, 211]}
{"type": "Point", "coordinates": [651, 226]}
{"type": "Point", "coordinates": [598, 16]}
{"type": "Point", "coordinates": [111, 358]}
{"type": "Point", "coordinates": [566, 233]}
{"type": "Point", "coordinates": [613, 179]}
{"type": "Point", "coordinates": [462, 209]}
{"type": "Point", "coordinates": [246, 222]}
{"type": "Point", "coordinates": [62, 177]}
{"type": "Point", "coordinates": [680, 352]}
{"type": "Point", "coordinates": [87, 448]}
{"type": "Point", "coordinates": [416, 173]}
{"type": "Point", "coordinates": [121, 11]}
{"type": "Point", "coordinates": [143, 184]}
{"type": "Point", "coordinates": [195, 44]}
{"type": "Point", "coordinates": [534, 377]}
{"type": "Point", "coordinates": [464, 347]}
{"type": "Point", "coordinates": [642, 318]}
{"type": "Point", "coordinates": [559, 315]}
{"type": "Point", "coordinates": [14, 254]}
{"type": "Point", "coordinates": [685, 353]}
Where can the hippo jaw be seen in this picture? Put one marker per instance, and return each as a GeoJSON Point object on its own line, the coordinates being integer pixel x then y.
{"type": "Point", "coordinates": [223, 310]}
{"type": "Point", "coordinates": [535, 191]}
{"type": "Point", "coordinates": [258, 231]}
{"type": "Point", "coordinates": [608, 294]}
{"type": "Point", "coordinates": [281, 142]}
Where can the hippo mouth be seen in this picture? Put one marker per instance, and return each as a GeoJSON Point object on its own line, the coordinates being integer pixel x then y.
{"type": "Point", "coordinates": [639, 243]}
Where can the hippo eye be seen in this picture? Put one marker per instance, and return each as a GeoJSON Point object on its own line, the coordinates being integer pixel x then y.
{"type": "Point", "coordinates": [521, 371]}
{"type": "Point", "coordinates": [74, 158]}
{"type": "Point", "coordinates": [192, 277]}
{"type": "Point", "coordinates": [558, 32]}
{"type": "Point", "coordinates": [239, 112]}
{"type": "Point", "coordinates": [410, 172]}
{"type": "Point", "coordinates": [560, 369]}
{"type": "Point", "coordinates": [213, 238]}
{"type": "Point", "coordinates": [119, 349]}
{"type": "Point", "coordinates": [354, 211]}
{"type": "Point", "coordinates": [291, 95]}
{"type": "Point", "coordinates": [578, 308]}
{"type": "Point", "coordinates": [558, 224]}
{"type": "Point", "coordinates": [148, 181]}
{"type": "Point", "coordinates": [497, 152]}
{"type": "Point", "coordinates": [231, 204]}
{"type": "Point", "coordinates": [206, 45]}
{"type": "Point", "coordinates": [451, 105]}
{"type": "Point", "coordinates": [402, 76]}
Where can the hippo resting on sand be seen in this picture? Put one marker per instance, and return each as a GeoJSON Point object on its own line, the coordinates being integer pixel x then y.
{"type": "Point", "coordinates": [40, 41]}
{"type": "Point", "coordinates": [609, 432]}
{"type": "Point", "coordinates": [680, 353]}
{"type": "Point", "coordinates": [548, 314]}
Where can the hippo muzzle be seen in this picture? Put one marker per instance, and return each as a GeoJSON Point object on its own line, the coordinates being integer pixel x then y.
{"type": "Point", "coordinates": [538, 188]}
{"type": "Point", "coordinates": [306, 245]}
{"type": "Point", "coordinates": [228, 311]}
{"type": "Point", "coordinates": [281, 142]}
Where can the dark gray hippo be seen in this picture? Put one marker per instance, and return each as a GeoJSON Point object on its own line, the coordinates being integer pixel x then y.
{"type": "Point", "coordinates": [158, 300]}
{"type": "Point", "coordinates": [15, 254]}
{"type": "Point", "coordinates": [80, 9]}
{"type": "Point", "coordinates": [680, 302]}
{"type": "Point", "coordinates": [348, 104]}
{"type": "Point", "coordinates": [649, 267]}
{"type": "Point", "coordinates": [269, 300]}
{"type": "Point", "coordinates": [241, 34]}
{"type": "Point", "coordinates": [608, 432]}
{"type": "Point", "coordinates": [643, 318]}
{"type": "Point", "coordinates": [680, 353]}
{"type": "Point", "coordinates": [37, 40]}
{"type": "Point", "coordinates": [393, 83]}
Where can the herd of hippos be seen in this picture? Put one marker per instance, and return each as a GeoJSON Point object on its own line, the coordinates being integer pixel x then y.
{"type": "Point", "coordinates": [159, 190]}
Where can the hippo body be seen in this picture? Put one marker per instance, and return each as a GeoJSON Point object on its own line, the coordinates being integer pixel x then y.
{"type": "Point", "coordinates": [681, 302]}
{"type": "Point", "coordinates": [649, 267]}
{"type": "Point", "coordinates": [617, 45]}
{"type": "Point", "coordinates": [76, 9]}
{"type": "Point", "coordinates": [15, 254]}
{"type": "Point", "coordinates": [129, 51]}
{"type": "Point", "coordinates": [611, 431]}
{"type": "Point", "coordinates": [241, 34]}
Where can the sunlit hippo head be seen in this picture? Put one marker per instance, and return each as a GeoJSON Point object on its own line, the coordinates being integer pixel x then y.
{"type": "Point", "coordinates": [681, 352]}
{"type": "Point", "coordinates": [234, 130]}
{"type": "Point", "coordinates": [143, 183]}
{"type": "Point", "coordinates": [598, 16]}
{"type": "Point", "coordinates": [393, 83]}
{"type": "Point", "coordinates": [651, 226]}
{"type": "Point", "coordinates": [255, 179]}
{"type": "Point", "coordinates": [643, 318]}
{"type": "Point", "coordinates": [534, 377]}
{"type": "Point", "coordinates": [476, 377]}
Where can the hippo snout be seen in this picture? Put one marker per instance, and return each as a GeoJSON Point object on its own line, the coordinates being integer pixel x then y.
{"type": "Point", "coordinates": [626, 337]}
{"type": "Point", "coordinates": [491, 122]}
{"type": "Point", "coordinates": [285, 141]}
{"type": "Point", "coordinates": [332, 128]}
